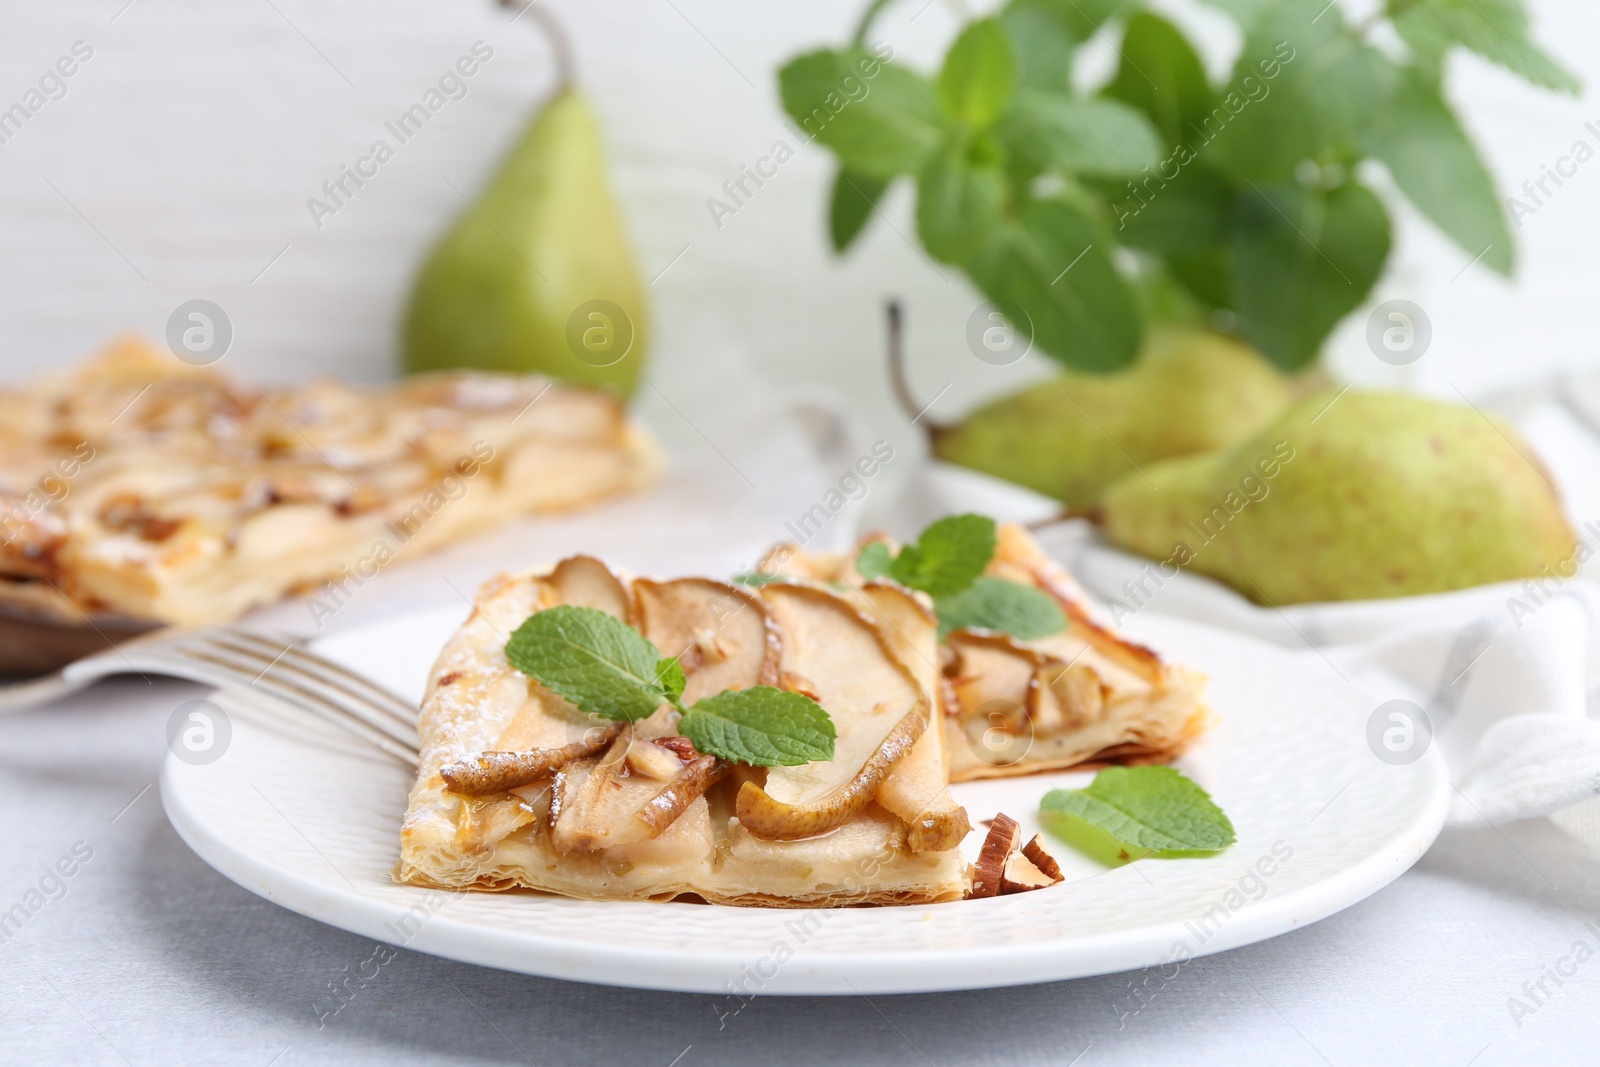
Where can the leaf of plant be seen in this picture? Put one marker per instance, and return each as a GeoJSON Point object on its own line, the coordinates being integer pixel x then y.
{"type": "Point", "coordinates": [882, 125]}
{"type": "Point", "coordinates": [978, 75]}
{"type": "Point", "coordinates": [1302, 260]}
{"type": "Point", "coordinates": [1146, 807]}
{"type": "Point", "coordinates": [874, 561]}
{"type": "Point", "coordinates": [762, 726]}
{"type": "Point", "coordinates": [854, 195]}
{"type": "Point", "coordinates": [600, 664]}
{"type": "Point", "coordinates": [996, 604]}
{"type": "Point", "coordinates": [1052, 261]}
{"type": "Point", "coordinates": [670, 676]}
{"type": "Point", "coordinates": [1161, 75]}
{"type": "Point", "coordinates": [1495, 29]}
{"type": "Point", "coordinates": [1435, 165]}
{"type": "Point", "coordinates": [1206, 274]}
{"type": "Point", "coordinates": [1042, 41]}
{"type": "Point", "coordinates": [958, 204]}
{"type": "Point", "coordinates": [1083, 17]}
{"type": "Point", "coordinates": [1244, 12]}
{"type": "Point", "coordinates": [948, 555]}
{"type": "Point", "coordinates": [1085, 136]}
{"type": "Point", "coordinates": [1190, 213]}
{"type": "Point", "coordinates": [1328, 84]}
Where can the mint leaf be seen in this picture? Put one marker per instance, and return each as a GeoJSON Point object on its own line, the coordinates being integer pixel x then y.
{"type": "Point", "coordinates": [1327, 84]}
{"type": "Point", "coordinates": [1042, 38]}
{"type": "Point", "coordinates": [755, 579]}
{"type": "Point", "coordinates": [670, 676]}
{"type": "Point", "coordinates": [1302, 260]}
{"type": "Point", "coordinates": [1495, 29]}
{"type": "Point", "coordinates": [978, 75]}
{"type": "Point", "coordinates": [947, 556]}
{"type": "Point", "coordinates": [1152, 808]}
{"type": "Point", "coordinates": [849, 208]}
{"type": "Point", "coordinates": [598, 663]}
{"type": "Point", "coordinates": [1190, 214]}
{"type": "Point", "coordinates": [958, 203]}
{"type": "Point", "coordinates": [1161, 75]}
{"type": "Point", "coordinates": [1431, 160]}
{"type": "Point", "coordinates": [1052, 261]}
{"type": "Point", "coordinates": [1022, 611]}
{"type": "Point", "coordinates": [879, 119]}
{"type": "Point", "coordinates": [761, 726]}
{"type": "Point", "coordinates": [1096, 137]}
{"type": "Point", "coordinates": [874, 561]}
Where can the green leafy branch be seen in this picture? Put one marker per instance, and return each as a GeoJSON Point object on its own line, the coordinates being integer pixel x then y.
{"type": "Point", "coordinates": [947, 562]}
{"type": "Point", "coordinates": [603, 666]}
{"type": "Point", "coordinates": [1241, 199]}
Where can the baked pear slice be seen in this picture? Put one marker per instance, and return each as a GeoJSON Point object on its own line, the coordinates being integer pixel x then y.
{"type": "Point", "coordinates": [879, 709]}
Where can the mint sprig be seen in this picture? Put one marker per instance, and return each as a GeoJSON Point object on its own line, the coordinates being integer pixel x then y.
{"type": "Point", "coordinates": [996, 604]}
{"type": "Point", "coordinates": [945, 558]}
{"type": "Point", "coordinates": [947, 562]}
{"type": "Point", "coordinates": [762, 726]}
{"type": "Point", "coordinates": [599, 663]}
{"type": "Point", "coordinates": [605, 667]}
{"type": "Point", "coordinates": [1153, 809]}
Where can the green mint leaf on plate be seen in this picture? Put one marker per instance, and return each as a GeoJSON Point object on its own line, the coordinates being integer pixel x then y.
{"type": "Point", "coordinates": [978, 75]}
{"type": "Point", "coordinates": [875, 561]}
{"type": "Point", "coordinates": [761, 726]}
{"type": "Point", "coordinates": [755, 579]}
{"type": "Point", "coordinates": [597, 662]}
{"type": "Point", "coordinates": [996, 604]}
{"type": "Point", "coordinates": [670, 676]}
{"type": "Point", "coordinates": [946, 558]}
{"type": "Point", "coordinates": [1146, 808]}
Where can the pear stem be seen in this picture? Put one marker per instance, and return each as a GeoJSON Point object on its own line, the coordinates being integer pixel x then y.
{"type": "Point", "coordinates": [554, 34]}
{"type": "Point", "coordinates": [897, 372]}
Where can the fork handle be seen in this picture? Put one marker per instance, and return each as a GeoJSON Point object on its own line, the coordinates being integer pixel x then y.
{"type": "Point", "coordinates": [35, 691]}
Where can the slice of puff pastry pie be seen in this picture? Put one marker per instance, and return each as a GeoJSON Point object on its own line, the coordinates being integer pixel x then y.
{"type": "Point", "coordinates": [608, 773]}
{"type": "Point", "coordinates": [1069, 692]}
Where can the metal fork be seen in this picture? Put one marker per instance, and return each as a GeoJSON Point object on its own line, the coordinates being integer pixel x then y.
{"type": "Point", "coordinates": [229, 656]}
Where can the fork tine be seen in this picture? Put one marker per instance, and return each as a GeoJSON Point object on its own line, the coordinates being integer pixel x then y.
{"type": "Point", "coordinates": [231, 672]}
{"type": "Point", "coordinates": [260, 670]}
{"type": "Point", "coordinates": [328, 673]}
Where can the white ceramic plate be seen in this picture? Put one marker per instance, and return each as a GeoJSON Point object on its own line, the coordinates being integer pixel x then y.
{"type": "Point", "coordinates": [295, 812]}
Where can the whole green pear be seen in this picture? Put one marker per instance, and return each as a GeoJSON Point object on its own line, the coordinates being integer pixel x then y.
{"type": "Point", "coordinates": [1353, 497]}
{"type": "Point", "coordinates": [537, 275]}
{"type": "Point", "coordinates": [1191, 390]}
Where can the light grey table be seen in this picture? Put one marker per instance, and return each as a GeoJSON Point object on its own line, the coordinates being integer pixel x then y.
{"type": "Point", "coordinates": [147, 956]}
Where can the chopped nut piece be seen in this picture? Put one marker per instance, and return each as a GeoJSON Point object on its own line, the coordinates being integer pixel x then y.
{"type": "Point", "coordinates": [990, 868]}
{"type": "Point", "coordinates": [1020, 875]}
{"type": "Point", "coordinates": [1041, 859]}
{"type": "Point", "coordinates": [681, 747]}
{"type": "Point", "coordinates": [652, 760]}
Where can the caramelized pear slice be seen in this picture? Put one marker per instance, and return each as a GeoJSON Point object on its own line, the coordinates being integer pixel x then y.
{"type": "Point", "coordinates": [724, 637]}
{"type": "Point", "coordinates": [992, 669]}
{"type": "Point", "coordinates": [585, 582]}
{"type": "Point", "coordinates": [496, 772]}
{"type": "Point", "coordinates": [663, 809]}
{"type": "Point", "coordinates": [844, 662]}
{"type": "Point", "coordinates": [774, 820]}
{"type": "Point", "coordinates": [918, 789]}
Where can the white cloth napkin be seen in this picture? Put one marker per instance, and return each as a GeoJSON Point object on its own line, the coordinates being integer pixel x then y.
{"type": "Point", "coordinates": [1507, 676]}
